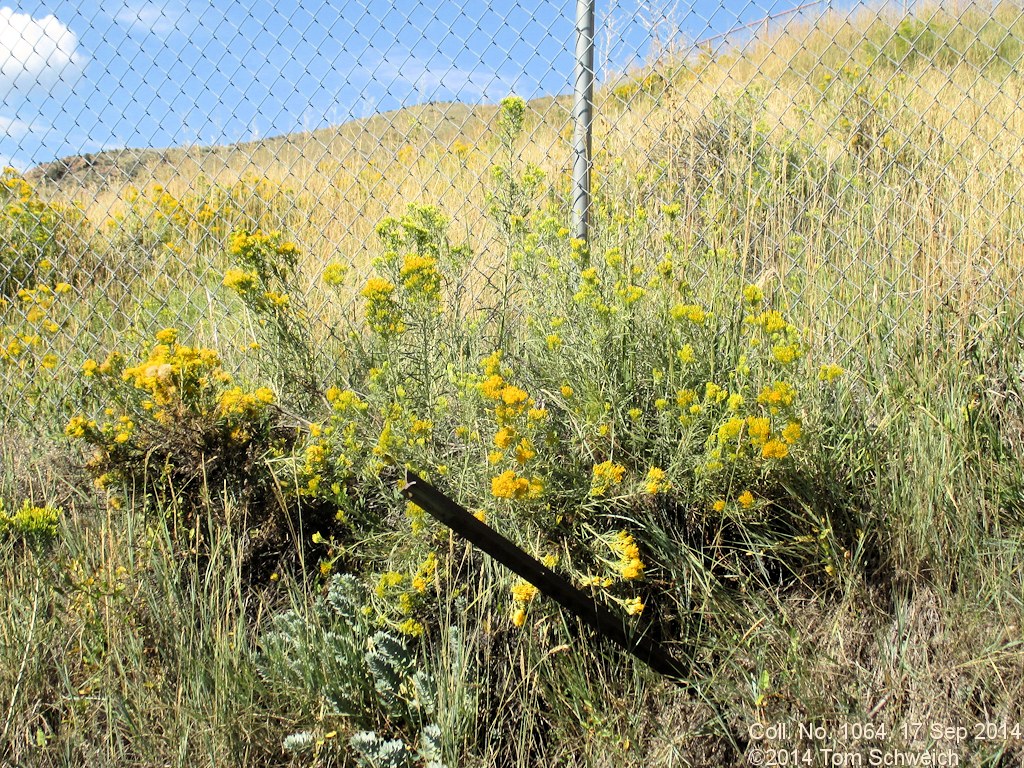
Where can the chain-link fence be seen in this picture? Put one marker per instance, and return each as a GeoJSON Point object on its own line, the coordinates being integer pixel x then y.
{"type": "Point", "coordinates": [861, 161]}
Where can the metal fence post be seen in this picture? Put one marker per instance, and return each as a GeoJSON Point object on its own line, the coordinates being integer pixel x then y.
{"type": "Point", "coordinates": [583, 117]}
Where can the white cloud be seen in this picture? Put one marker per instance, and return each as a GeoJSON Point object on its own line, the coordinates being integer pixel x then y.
{"type": "Point", "coordinates": [36, 52]}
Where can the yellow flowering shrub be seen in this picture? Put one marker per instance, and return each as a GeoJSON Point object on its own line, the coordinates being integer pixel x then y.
{"type": "Point", "coordinates": [33, 524]}
{"type": "Point", "coordinates": [39, 240]}
{"type": "Point", "coordinates": [172, 426]}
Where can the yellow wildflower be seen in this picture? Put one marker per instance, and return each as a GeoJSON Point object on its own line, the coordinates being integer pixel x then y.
{"type": "Point", "coordinates": [411, 627]}
{"type": "Point", "coordinates": [759, 429]}
{"type": "Point", "coordinates": [537, 414]}
{"type": "Point", "coordinates": [503, 439]}
{"type": "Point", "coordinates": [79, 427]}
{"type": "Point", "coordinates": [420, 277]}
{"type": "Point", "coordinates": [830, 372]}
{"type": "Point", "coordinates": [731, 429]}
{"type": "Point", "coordinates": [714, 393]}
{"type": "Point", "coordinates": [239, 280]}
{"type": "Point", "coordinates": [492, 386]}
{"type": "Point", "coordinates": [656, 482]}
{"type": "Point", "coordinates": [691, 312]}
{"type": "Point", "coordinates": [775, 449]}
{"type": "Point", "coordinates": [508, 485]}
{"type": "Point", "coordinates": [513, 396]}
{"type": "Point", "coordinates": [781, 394]}
{"type": "Point", "coordinates": [786, 353]}
{"type": "Point", "coordinates": [280, 300]}
{"type": "Point", "coordinates": [634, 607]}
{"type": "Point", "coordinates": [524, 451]}
{"type": "Point", "coordinates": [381, 309]}
{"type": "Point", "coordinates": [492, 363]}
{"type": "Point", "coordinates": [524, 592]}
{"type": "Point", "coordinates": [606, 474]}
{"type": "Point", "coordinates": [334, 273]}
{"type": "Point", "coordinates": [791, 433]}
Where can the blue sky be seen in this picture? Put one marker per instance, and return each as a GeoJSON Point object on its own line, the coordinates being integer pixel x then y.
{"type": "Point", "coordinates": [80, 77]}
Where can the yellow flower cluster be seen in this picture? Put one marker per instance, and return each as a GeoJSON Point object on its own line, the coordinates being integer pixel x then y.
{"type": "Point", "coordinates": [634, 606]}
{"type": "Point", "coordinates": [656, 482]}
{"type": "Point", "coordinates": [781, 394]}
{"type": "Point", "coordinates": [253, 247]}
{"type": "Point", "coordinates": [171, 370]}
{"type": "Point", "coordinates": [509, 485]}
{"type": "Point", "coordinates": [237, 403]}
{"type": "Point", "coordinates": [241, 281]}
{"type": "Point", "coordinates": [771, 322]}
{"type": "Point", "coordinates": [334, 274]}
{"type": "Point", "coordinates": [524, 592]}
{"type": "Point", "coordinates": [388, 581]}
{"type": "Point", "coordinates": [524, 451]}
{"type": "Point", "coordinates": [15, 184]}
{"type": "Point", "coordinates": [517, 418]}
{"type": "Point", "coordinates": [37, 304]}
{"type": "Point", "coordinates": [830, 372]}
{"type": "Point", "coordinates": [746, 500]}
{"type": "Point", "coordinates": [629, 293]}
{"type": "Point", "coordinates": [345, 400]}
{"type": "Point", "coordinates": [605, 475]}
{"type": "Point", "coordinates": [30, 521]}
{"type": "Point", "coordinates": [381, 308]}
{"type": "Point", "coordinates": [416, 515]}
{"type": "Point", "coordinates": [758, 429]}
{"type": "Point", "coordinates": [80, 427]}
{"type": "Point", "coordinates": [420, 278]}
{"type": "Point", "coordinates": [504, 437]}
{"type": "Point", "coordinates": [629, 564]}
{"type": "Point", "coordinates": [123, 429]}
{"type": "Point", "coordinates": [786, 353]}
{"type": "Point", "coordinates": [589, 292]}
{"type": "Point", "coordinates": [276, 299]}
{"type": "Point", "coordinates": [692, 312]}
{"type": "Point", "coordinates": [425, 573]}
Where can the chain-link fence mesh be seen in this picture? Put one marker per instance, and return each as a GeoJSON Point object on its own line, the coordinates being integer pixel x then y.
{"type": "Point", "coordinates": [863, 159]}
